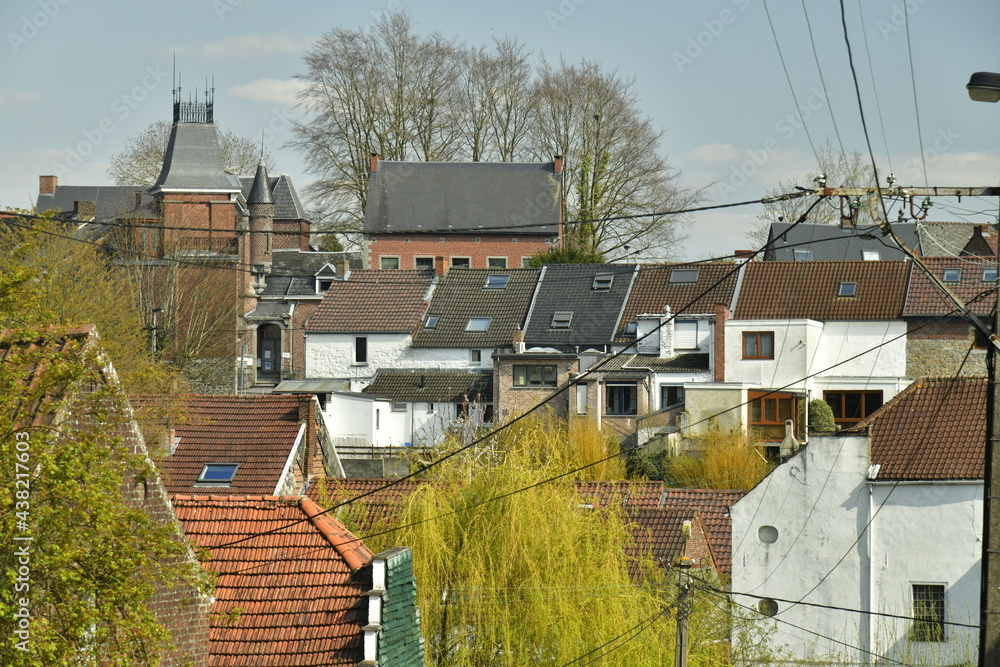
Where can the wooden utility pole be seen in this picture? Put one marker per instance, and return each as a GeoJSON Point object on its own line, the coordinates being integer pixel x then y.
{"type": "Point", "coordinates": [683, 610]}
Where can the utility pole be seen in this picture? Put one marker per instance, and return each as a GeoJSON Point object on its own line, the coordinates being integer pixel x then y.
{"type": "Point", "coordinates": [683, 601]}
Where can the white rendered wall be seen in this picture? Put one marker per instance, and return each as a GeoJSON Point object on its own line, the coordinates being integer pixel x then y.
{"type": "Point", "coordinates": [332, 355]}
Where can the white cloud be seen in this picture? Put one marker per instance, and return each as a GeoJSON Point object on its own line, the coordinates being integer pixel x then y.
{"type": "Point", "coordinates": [11, 96]}
{"type": "Point", "coordinates": [714, 153]}
{"type": "Point", "coordinates": [250, 45]}
{"type": "Point", "coordinates": [274, 91]}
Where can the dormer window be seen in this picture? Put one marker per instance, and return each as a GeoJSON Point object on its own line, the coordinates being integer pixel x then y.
{"type": "Point", "coordinates": [561, 319]}
{"type": "Point", "coordinates": [684, 276]}
{"type": "Point", "coordinates": [630, 328]}
{"type": "Point", "coordinates": [217, 474]}
{"type": "Point", "coordinates": [847, 289]}
{"type": "Point", "coordinates": [496, 281]}
{"type": "Point", "coordinates": [602, 282]}
{"type": "Point", "coordinates": [323, 284]}
{"type": "Point", "coordinates": [871, 255]}
{"type": "Point", "coordinates": [952, 275]}
{"type": "Point", "coordinates": [478, 324]}
{"type": "Point", "coordinates": [432, 322]}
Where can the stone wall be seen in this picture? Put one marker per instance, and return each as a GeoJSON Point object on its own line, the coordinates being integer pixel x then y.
{"type": "Point", "coordinates": [938, 349]}
{"type": "Point", "coordinates": [211, 376]}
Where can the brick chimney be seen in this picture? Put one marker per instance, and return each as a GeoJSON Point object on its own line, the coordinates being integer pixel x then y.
{"type": "Point", "coordinates": [84, 210]}
{"type": "Point", "coordinates": [557, 164]}
{"type": "Point", "coordinates": [518, 341]}
{"type": "Point", "coordinates": [47, 184]}
{"type": "Point", "coordinates": [311, 449]}
{"type": "Point", "coordinates": [719, 342]}
{"type": "Point", "coordinates": [439, 266]}
{"type": "Point", "coordinates": [343, 268]}
{"type": "Point", "coordinates": [373, 162]}
{"type": "Point", "coordinates": [744, 254]}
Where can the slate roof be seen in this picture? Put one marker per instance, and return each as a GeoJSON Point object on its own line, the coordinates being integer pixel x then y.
{"type": "Point", "coordinates": [110, 201]}
{"type": "Point", "coordinates": [713, 506]}
{"type": "Point", "coordinates": [462, 294]}
{"type": "Point", "coordinates": [290, 597]}
{"type": "Point", "coordinates": [287, 205]}
{"type": "Point", "coordinates": [293, 272]}
{"type": "Point", "coordinates": [269, 310]}
{"type": "Point", "coordinates": [682, 363]}
{"type": "Point", "coordinates": [834, 243]}
{"type": "Point", "coordinates": [933, 430]}
{"type": "Point", "coordinates": [652, 290]}
{"type": "Point", "coordinates": [808, 290]}
{"type": "Point", "coordinates": [948, 239]}
{"type": "Point", "coordinates": [925, 298]}
{"type": "Point", "coordinates": [193, 160]}
{"type": "Point", "coordinates": [490, 197]}
{"type": "Point", "coordinates": [427, 386]}
{"type": "Point", "coordinates": [569, 287]}
{"type": "Point", "coordinates": [373, 301]}
{"type": "Point", "coordinates": [256, 432]}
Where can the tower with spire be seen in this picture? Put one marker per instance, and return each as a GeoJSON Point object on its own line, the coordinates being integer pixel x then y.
{"type": "Point", "coordinates": [261, 208]}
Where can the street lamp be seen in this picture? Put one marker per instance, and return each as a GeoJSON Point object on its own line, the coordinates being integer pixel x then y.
{"type": "Point", "coordinates": [985, 87]}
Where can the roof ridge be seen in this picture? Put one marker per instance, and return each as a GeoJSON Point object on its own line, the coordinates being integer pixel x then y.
{"type": "Point", "coordinates": [350, 547]}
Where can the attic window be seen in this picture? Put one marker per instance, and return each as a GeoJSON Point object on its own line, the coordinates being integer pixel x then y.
{"type": "Point", "coordinates": [496, 281]}
{"type": "Point", "coordinates": [684, 276]}
{"type": "Point", "coordinates": [871, 255]}
{"type": "Point", "coordinates": [630, 328]}
{"type": "Point", "coordinates": [323, 284]}
{"type": "Point", "coordinates": [478, 324]}
{"type": "Point", "coordinates": [561, 319]}
{"type": "Point", "coordinates": [602, 282]}
{"type": "Point", "coordinates": [432, 322]}
{"type": "Point", "coordinates": [847, 289]}
{"type": "Point", "coordinates": [952, 275]}
{"type": "Point", "coordinates": [989, 275]}
{"type": "Point", "coordinates": [802, 254]}
{"type": "Point", "coordinates": [217, 474]}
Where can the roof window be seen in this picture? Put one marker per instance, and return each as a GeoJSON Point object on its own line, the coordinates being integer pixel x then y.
{"type": "Point", "coordinates": [432, 322]}
{"type": "Point", "coordinates": [478, 323]}
{"type": "Point", "coordinates": [847, 289]}
{"type": "Point", "coordinates": [802, 254]}
{"type": "Point", "coordinates": [561, 319]}
{"type": "Point", "coordinates": [497, 281]}
{"type": "Point", "coordinates": [602, 282]}
{"type": "Point", "coordinates": [684, 276]}
{"type": "Point", "coordinates": [952, 275]}
{"type": "Point", "coordinates": [871, 255]}
{"type": "Point", "coordinates": [990, 275]}
{"type": "Point", "coordinates": [217, 474]}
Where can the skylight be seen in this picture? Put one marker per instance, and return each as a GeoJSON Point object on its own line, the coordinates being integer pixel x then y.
{"type": "Point", "coordinates": [217, 474]}
{"type": "Point", "coordinates": [871, 255]}
{"type": "Point", "coordinates": [497, 281]}
{"type": "Point", "coordinates": [989, 275]}
{"type": "Point", "coordinates": [847, 289]}
{"type": "Point", "coordinates": [602, 281]}
{"type": "Point", "coordinates": [432, 322]}
{"type": "Point", "coordinates": [803, 255]}
{"type": "Point", "coordinates": [952, 275]}
{"type": "Point", "coordinates": [561, 319]}
{"type": "Point", "coordinates": [478, 323]}
{"type": "Point", "coordinates": [684, 276]}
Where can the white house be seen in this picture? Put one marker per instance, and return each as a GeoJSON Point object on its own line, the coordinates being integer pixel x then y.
{"type": "Point", "coordinates": [882, 530]}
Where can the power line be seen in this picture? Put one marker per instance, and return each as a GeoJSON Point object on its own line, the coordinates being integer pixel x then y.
{"type": "Point", "coordinates": [871, 73]}
{"type": "Point", "coordinates": [822, 81]}
{"type": "Point", "coordinates": [913, 85]}
{"type": "Point", "coordinates": [645, 623]}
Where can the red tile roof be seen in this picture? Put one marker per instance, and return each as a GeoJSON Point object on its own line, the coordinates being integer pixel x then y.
{"type": "Point", "coordinates": [713, 505]}
{"type": "Point", "coordinates": [256, 432]}
{"type": "Point", "coordinates": [932, 430]}
{"type": "Point", "coordinates": [370, 513]}
{"type": "Point", "coordinates": [372, 301]}
{"type": "Point", "coordinates": [925, 298]}
{"type": "Point", "coordinates": [658, 532]}
{"type": "Point", "coordinates": [290, 597]}
{"type": "Point", "coordinates": [808, 290]}
{"type": "Point", "coordinates": [630, 494]}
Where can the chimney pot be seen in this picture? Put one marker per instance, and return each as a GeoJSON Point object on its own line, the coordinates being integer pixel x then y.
{"type": "Point", "coordinates": [47, 184]}
{"type": "Point", "coordinates": [557, 164]}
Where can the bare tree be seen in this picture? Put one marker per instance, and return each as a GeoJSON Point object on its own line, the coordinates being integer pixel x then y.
{"type": "Point", "coordinates": [141, 160]}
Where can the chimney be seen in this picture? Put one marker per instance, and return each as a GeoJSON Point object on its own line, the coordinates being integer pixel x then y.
{"type": "Point", "coordinates": [84, 210]}
{"type": "Point", "coordinates": [744, 254]}
{"type": "Point", "coordinates": [307, 414]}
{"type": "Point", "coordinates": [439, 268]}
{"type": "Point", "coordinates": [719, 342]}
{"type": "Point", "coordinates": [47, 184]}
{"type": "Point", "coordinates": [557, 164]}
{"type": "Point", "coordinates": [373, 162]}
{"type": "Point", "coordinates": [519, 346]}
{"type": "Point", "coordinates": [343, 267]}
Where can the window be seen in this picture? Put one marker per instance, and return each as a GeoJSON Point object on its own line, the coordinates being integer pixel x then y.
{"type": "Point", "coordinates": [686, 335]}
{"type": "Point", "coordinates": [496, 262]}
{"type": "Point", "coordinates": [683, 276]}
{"type": "Point", "coordinates": [361, 349]}
{"type": "Point", "coordinates": [526, 262]}
{"type": "Point", "coordinates": [758, 345]}
{"type": "Point", "coordinates": [432, 322]}
{"type": "Point", "coordinates": [217, 474]}
{"type": "Point", "coordinates": [847, 289]}
{"type": "Point", "coordinates": [768, 413]}
{"type": "Point", "coordinates": [399, 407]}
{"type": "Point", "coordinates": [323, 284]}
{"type": "Point", "coordinates": [802, 255]}
{"type": "Point", "coordinates": [496, 281]}
{"type": "Point", "coordinates": [475, 357]}
{"type": "Point", "coordinates": [389, 262]}
{"type": "Point", "coordinates": [850, 407]}
{"type": "Point", "coordinates": [621, 399]}
{"type": "Point", "coordinates": [767, 607]}
{"type": "Point", "coordinates": [423, 263]}
{"type": "Point", "coordinates": [671, 396]}
{"type": "Point", "coordinates": [478, 323]}
{"type": "Point", "coordinates": [581, 399]}
{"type": "Point", "coordinates": [928, 613]}
{"type": "Point", "coordinates": [871, 255]}
{"type": "Point", "coordinates": [561, 319]}
{"type": "Point", "coordinates": [602, 282]}
{"type": "Point", "coordinates": [630, 328]}
{"type": "Point", "coordinates": [952, 275]}
{"type": "Point", "coordinates": [989, 275]}
{"type": "Point", "coordinates": [460, 262]}
{"type": "Point", "coordinates": [534, 376]}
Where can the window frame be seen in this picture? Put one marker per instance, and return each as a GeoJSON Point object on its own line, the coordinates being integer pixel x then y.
{"type": "Point", "coordinates": [988, 269]}
{"type": "Point", "coordinates": [802, 254]}
{"type": "Point", "coordinates": [602, 282]}
{"type": "Point", "coordinates": [470, 329]}
{"type": "Point", "coordinates": [398, 406]}
{"type": "Point", "coordinates": [381, 262]}
{"type": "Point", "coordinates": [476, 357]}
{"type": "Point", "coordinates": [848, 286]}
{"type": "Point", "coordinates": [929, 613]}
{"type": "Point", "coordinates": [839, 407]}
{"type": "Point", "coordinates": [773, 429]}
{"type": "Point", "coordinates": [665, 390]}
{"type": "Point", "coordinates": [561, 319]}
{"type": "Point", "coordinates": [417, 259]}
{"type": "Point", "coordinates": [677, 276]}
{"type": "Point", "coordinates": [758, 337]}
{"type": "Point", "coordinates": [466, 258]}
{"type": "Point", "coordinates": [432, 321]}
{"type": "Point", "coordinates": [502, 278]}
{"type": "Point", "coordinates": [613, 393]}
{"type": "Point", "coordinates": [203, 481]}
{"type": "Point", "coordinates": [535, 376]}
{"type": "Point", "coordinates": [871, 255]}
{"type": "Point", "coordinates": [490, 260]}
{"type": "Point", "coordinates": [957, 273]}
{"type": "Point", "coordinates": [361, 350]}
{"type": "Point", "coordinates": [525, 261]}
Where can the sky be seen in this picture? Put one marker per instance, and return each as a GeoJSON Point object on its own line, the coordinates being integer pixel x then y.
{"type": "Point", "coordinates": [77, 79]}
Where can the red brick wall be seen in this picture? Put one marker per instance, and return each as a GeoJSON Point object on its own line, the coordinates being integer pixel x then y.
{"type": "Point", "coordinates": [510, 401]}
{"type": "Point", "coordinates": [409, 246]}
{"type": "Point", "coordinates": [200, 213]}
